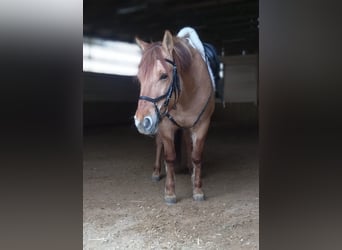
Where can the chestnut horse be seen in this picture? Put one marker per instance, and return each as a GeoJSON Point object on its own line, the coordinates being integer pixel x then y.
{"type": "Point", "coordinates": [176, 92]}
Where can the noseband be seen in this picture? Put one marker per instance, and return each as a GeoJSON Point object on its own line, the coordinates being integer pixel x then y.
{"type": "Point", "coordinates": [173, 88]}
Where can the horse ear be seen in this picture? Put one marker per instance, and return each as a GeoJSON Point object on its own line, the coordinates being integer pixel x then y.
{"type": "Point", "coordinates": [168, 41]}
{"type": "Point", "coordinates": [143, 45]}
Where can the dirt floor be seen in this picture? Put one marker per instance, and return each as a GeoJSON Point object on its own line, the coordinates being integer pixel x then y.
{"type": "Point", "coordinates": [124, 209]}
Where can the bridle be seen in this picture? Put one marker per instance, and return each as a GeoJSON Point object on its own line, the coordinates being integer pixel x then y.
{"type": "Point", "coordinates": [173, 88]}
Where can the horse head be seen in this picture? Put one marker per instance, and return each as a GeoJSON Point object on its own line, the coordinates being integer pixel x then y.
{"type": "Point", "coordinates": [158, 86]}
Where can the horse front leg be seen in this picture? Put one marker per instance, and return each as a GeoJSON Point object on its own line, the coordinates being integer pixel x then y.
{"type": "Point", "coordinates": [170, 158]}
{"type": "Point", "coordinates": [156, 176]}
{"type": "Point", "coordinates": [198, 140]}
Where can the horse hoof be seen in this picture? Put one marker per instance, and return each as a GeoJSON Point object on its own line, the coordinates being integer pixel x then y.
{"type": "Point", "coordinates": [156, 178]}
{"type": "Point", "coordinates": [170, 200]}
{"type": "Point", "coordinates": [198, 197]}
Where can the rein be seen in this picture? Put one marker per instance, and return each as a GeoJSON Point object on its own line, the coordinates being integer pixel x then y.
{"type": "Point", "coordinates": [198, 117]}
{"type": "Point", "coordinates": [173, 88]}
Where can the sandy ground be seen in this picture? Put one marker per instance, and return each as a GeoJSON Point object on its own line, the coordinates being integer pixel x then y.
{"type": "Point", "coordinates": [124, 209]}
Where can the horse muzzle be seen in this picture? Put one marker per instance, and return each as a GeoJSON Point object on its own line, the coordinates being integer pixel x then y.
{"type": "Point", "coordinates": [147, 125]}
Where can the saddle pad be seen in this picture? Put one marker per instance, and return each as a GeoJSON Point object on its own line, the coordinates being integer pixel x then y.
{"type": "Point", "coordinates": [191, 35]}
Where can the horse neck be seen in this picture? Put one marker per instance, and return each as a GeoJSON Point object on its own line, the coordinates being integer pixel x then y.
{"type": "Point", "coordinates": [193, 89]}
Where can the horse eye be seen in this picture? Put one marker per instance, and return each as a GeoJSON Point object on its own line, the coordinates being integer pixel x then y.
{"type": "Point", "coordinates": [163, 77]}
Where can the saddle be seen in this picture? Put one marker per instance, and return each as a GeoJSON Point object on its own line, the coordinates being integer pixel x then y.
{"type": "Point", "coordinates": [214, 63]}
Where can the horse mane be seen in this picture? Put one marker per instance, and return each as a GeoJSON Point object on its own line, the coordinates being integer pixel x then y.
{"type": "Point", "coordinates": [182, 56]}
{"type": "Point", "coordinates": [182, 53]}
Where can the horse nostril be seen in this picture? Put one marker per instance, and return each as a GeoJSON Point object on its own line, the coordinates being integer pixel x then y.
{"type": "Point", "coordinates": [147, 123]}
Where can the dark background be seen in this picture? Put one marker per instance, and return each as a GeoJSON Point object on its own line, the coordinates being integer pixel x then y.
{"type": "Point", "coordinates": [228, 24]}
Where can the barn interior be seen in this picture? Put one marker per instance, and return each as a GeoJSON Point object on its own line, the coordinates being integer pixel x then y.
{"type": "Point", "coordinates": [231, 26]}
{"type": "Point", "coordinates": [123, 208]}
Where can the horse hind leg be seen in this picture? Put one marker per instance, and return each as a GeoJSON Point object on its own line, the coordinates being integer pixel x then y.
{"type": "Point", "coordinates": [156, 175]}
{"type": "Point", "coordinates": [187, 149]}
{"type": "Point", "coordinates": [170, 158]}
{"type": "Point", "coordinates": [198, 140]}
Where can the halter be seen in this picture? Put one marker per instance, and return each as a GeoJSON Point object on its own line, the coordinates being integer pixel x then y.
{"type": "Point", "coordinates": [173, 88]}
